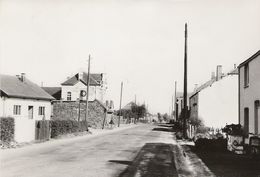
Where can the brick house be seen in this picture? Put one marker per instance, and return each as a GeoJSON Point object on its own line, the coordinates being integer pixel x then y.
{"type": "Point", "coordinates": [26, 102]}
{"type": "Point", "coordinates": [249, 95]}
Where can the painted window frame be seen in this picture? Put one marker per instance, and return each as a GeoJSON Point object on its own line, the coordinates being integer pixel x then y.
{"type": "Point", "coordinates": [41, 111]}
{"type": "Point", "coordinates": [17, 110]}
{"type": "Point", "coordinates": [68, 96]}
{"type": "Point", "coordinates": [246, 75]}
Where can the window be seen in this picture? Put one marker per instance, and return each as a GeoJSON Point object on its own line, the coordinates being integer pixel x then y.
{"type": "Point", "coordinates": [246, 75]}
{"type": "Point", "coordinates": [69, 96]}
{"type": "Point", "coordinates": [17, 110]}
{"type": "Point", "coordinates": [41, 110]}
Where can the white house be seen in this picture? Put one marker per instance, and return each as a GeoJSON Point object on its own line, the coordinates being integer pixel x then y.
{"type": "Point", "coordinates": [249, 95]}
{"type": "Point", "coordinates": [71, 88]}
{"type": "Point", "coordinates": [26, 102]}
{"type": "Point", "coordinates": [215, 102]}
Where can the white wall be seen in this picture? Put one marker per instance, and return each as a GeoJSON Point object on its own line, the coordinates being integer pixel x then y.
{"type": "Point", "coordinates": [218, 104]}
{"type": "Point", "coordinates": [24, 127]}
{"type": "Point", "coordinates": [249, 95]}
{"type": "Point", "coordinates": [94, 92]}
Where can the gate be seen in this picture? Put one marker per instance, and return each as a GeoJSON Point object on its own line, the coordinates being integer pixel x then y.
{"type": "Point", "coordinates": [42, 130]}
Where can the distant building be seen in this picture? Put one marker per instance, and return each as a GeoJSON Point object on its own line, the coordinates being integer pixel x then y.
{"type": "Point", "coordinates": [215, 101]}
{"type": "Point", "coordinates": [249, 95]}
{"type": "Point", "coordinates": [73, 86]}
{"type": "Point", "coordinates": [26, 102]}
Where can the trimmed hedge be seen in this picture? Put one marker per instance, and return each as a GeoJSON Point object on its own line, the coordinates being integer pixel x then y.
{"type": "Point", "coordinates": [62, 127]}
{"type": "Point", "coordinates": [7, 129]}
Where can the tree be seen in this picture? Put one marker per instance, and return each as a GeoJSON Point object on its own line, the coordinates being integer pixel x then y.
{"type": "Point", "coordinates": [166, 117]}
{"type": "Point", "coordinates": [138, 111]}
{"type": "Point", "coordinates": [160, 118]}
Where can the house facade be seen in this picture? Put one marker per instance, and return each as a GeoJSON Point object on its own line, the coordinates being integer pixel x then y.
{"type": "Point", "coordinates": [215, 101]}
{"type": "Point", "coordinates": [25, 102]}
{"type": "Point", "coordinates": [72, 88]}
{"type": "Point", "coordinates": [249, 95]}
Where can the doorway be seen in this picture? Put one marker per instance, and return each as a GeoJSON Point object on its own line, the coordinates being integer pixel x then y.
{"type": "Point", "coordinates": [30, 112]}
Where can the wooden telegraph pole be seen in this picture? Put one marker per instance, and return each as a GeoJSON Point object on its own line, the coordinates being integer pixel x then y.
{"type": "Point", "coordinates": [87, 96]}
{"type": "Point", "coordinates": [185, 113]}
{"type": "Point", "coordinates": [120, 111]}
{"type": "Point", "coordinates": [175, 102]}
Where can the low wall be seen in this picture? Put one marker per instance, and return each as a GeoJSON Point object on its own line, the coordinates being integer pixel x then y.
{"type": "Point", "coordinates": [72, 110]}
{"type": "Point", "coordinates": [24, 130]}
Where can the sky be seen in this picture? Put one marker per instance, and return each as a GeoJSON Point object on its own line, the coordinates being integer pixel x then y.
{"type": "Point", "coordinates": [137, 42]}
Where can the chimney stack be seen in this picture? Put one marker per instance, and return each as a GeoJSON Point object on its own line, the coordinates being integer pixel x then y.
{"type": "Point", "coordinates": [219, 72]}
{"type": "Point", "coordinates": [213, 75]}
{"type": "Point", "coordinates": [80, 76]}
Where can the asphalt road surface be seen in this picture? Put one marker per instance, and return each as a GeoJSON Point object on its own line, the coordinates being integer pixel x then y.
{"type": "Point", "coordinates": [143, 150]}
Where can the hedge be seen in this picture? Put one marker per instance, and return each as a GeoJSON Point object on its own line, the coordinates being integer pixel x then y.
{"type": "Point", "coordinates": [62, 127]}
{"type": "Point", "coordinates": [7, 129]}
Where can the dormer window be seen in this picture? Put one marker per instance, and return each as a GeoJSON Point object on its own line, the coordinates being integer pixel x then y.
{"type": "Point", "coordinates": [68, 96]}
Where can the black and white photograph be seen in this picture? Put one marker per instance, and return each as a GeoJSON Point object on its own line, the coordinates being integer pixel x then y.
{"type": "Point", "coordinates": [129, 88]}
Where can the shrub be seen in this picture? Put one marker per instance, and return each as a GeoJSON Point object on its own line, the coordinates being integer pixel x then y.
{"type": "Point", "coordinates": [7, 129]}
{"type": "Point", "coordinates": [233, 129]}
{"type": "Point", "coordinates": [61, 127]}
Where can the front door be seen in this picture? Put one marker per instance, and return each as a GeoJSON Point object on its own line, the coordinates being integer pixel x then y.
{"type": "Point", "coordinates": [30, 112]}
{"type": "Point", "coordinates": [257, 111]}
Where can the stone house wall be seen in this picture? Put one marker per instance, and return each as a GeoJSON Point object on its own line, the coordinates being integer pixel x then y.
{"type": "Point", "coordinates": [69, 110]}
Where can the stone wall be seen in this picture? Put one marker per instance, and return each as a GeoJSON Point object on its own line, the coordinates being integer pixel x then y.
{"type": "Point", "coordinates": [69, 110]}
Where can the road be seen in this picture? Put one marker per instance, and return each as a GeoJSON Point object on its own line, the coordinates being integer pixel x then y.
{"type": "Point", "coordinates": [144, 150]}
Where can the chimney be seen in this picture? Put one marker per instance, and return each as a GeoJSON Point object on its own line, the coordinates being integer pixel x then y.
{"type": "Point", "coordinates": [107, 103]}
{"type": "Point", "coordinates": [196, 87]}
{"type": "Point", "coordinates": [21, 77]}
{"type": "Point", "coordinates": [235, 66]}
{"type": "Point", "coordinates": [219, 72]}
{"type": "Point", "coordinates": [80, 76]}
{"type": "Point", "coordinates": [213, 75]}
{"type": "Point", "coordinates": [111, 104]}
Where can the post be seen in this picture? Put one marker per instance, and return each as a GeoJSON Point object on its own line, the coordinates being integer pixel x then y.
{"type": "Point", "coordinates": [79, 111]}
{"type": "Point", "coordinates": [86, 115]}
{"type": "Point", "coordinates": [185, 109]}
{"type": "Point", "coordinates": [175, 99]}
{"type": "Point", "coordinates": [120, 112]}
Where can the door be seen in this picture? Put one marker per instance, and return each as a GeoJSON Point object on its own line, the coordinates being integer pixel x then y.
{"type": "Point", "coordinates": [30, 112]}
{"type": "Point", "coordinates": [257, 108]}
{"type": "Point", "coordinates": [246, 121]}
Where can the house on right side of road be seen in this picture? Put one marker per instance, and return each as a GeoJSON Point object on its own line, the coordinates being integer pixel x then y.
{"type": "Point", "coordinates": [249, 95]}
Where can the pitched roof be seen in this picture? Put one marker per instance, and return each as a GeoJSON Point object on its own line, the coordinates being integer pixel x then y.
{"type": "Point", "coordinates": [95, 79]}
{"type": "Point", "coordinates": [53, 91]}
{"type": "Point", "coordinates": [129, 106]}
{"type": "Point", "coordinates": [212, 81]}
{"type": "Point", "coordinates": [250, 59]}
{"type": "Point", "coordinates": [12, 86]}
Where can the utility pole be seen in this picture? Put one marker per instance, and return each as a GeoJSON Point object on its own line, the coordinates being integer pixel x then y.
{"type": "Point", "coordinates": [175, 102]}
{"type": "Point", "coordinates": [171, 115]}
{"type": "Point", "coordinates": [87, 96]}
{"type": "Point", "coordinates": [135, 99]}
{"type": "Point", "coordinates": [120, 111]}
{"type": "Point", "coordinates": [185, 86]}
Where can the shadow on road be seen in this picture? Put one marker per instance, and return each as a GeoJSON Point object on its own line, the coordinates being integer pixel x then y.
{"type": "Point", "coordinates": [163, 129]}
{"type": "Point", "coordinates": [226, 164]}
{"type": "Point", "coordinates": [153, 160]}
